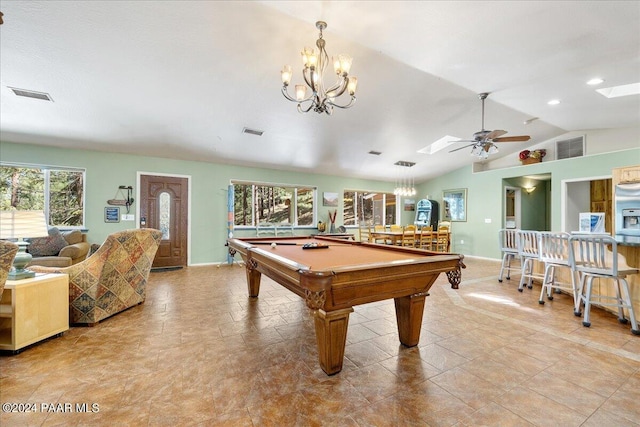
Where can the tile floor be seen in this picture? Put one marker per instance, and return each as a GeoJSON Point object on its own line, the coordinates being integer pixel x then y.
{"type": "Point", "coordinates": [199, 352]}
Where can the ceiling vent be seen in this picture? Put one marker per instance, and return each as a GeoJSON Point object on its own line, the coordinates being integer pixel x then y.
{"type": "Point", "coordinates": [568, 148]}
{"type": "Point", "coordinates": [31, 94]}
{"type": "Point", "coordinates": [404, 163]}
{"type": "Point", "coordinates": [375, 153]}
{"type": "Point", "coordinates": [252, 131]}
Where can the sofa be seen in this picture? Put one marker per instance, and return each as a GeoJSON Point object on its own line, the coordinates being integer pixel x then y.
{"type": "Point", "coordinates": [59, 249]}
{"type": "Point", "coordinates": [113, 278]}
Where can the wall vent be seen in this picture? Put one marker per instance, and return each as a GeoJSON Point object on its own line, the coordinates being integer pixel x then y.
{"type": "Point", "coordinates": [31, 94]}
{"type": "Point", "coordinates": [568, 148]}
{"type": "Point", "coordinates": [252, 131]}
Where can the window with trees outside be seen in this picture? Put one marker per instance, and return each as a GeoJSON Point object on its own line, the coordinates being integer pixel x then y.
{"type": "Point", "coordinates": [369, 208]}
{"type": "Point", "coordinates": [260, 203]}
{"type": "Point", "coordinates": [58, 192]}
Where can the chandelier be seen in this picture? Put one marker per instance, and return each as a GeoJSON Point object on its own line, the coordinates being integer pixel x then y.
{"type": "Point", "coordinates": [320, 100]}
{"type": "Point", "coordinates": [404, 184]}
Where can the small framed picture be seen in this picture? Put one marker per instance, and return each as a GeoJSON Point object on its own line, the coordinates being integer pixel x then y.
{"type": "Point", "coordinates": [329, 199]}
{"type": "Point", "coordinates": [111, 214]}
{"type": "Point", "coordinates": [409, 204]}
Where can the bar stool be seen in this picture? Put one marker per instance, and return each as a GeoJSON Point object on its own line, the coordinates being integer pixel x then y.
{"type": "Point", "coordinates": [554, 253]}
{"type": "Point", "coordinates": [508, 241]}
{"type": "Point", "coordinates": [596, 256]}
{"type": "Point", "coordinates": [528, 252]}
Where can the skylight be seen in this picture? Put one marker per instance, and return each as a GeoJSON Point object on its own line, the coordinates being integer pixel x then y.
{"type": "Point", "coordinates": [440, 144]}
{"type": "Point", "coordinates": [622, 90]}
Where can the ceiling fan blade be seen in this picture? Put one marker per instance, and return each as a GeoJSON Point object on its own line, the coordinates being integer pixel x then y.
{"type": "Point", "coordinates": [512, 138]}
{"type": "Point", "coordinates": [460, 148]}
{"type": "Point", "coordinates": [495, 133]}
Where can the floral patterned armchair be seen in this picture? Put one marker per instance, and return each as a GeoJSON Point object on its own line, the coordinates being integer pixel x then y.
{"type": "Point", "coordinates": [113, 278]}
{"type": "Point", "coordinates": [7, 253]}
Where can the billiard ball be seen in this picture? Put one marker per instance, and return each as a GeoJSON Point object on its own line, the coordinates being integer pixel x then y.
{"type": "Point", "coordinates": [273, 245]}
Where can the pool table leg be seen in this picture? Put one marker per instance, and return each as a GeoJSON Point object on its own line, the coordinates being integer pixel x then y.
{"type": "Point", "coordinates": [253, 278]}
{"type": "Point", "coordinates": [331, 335]}
{"type": "Point", "coordinates": [409, 312]}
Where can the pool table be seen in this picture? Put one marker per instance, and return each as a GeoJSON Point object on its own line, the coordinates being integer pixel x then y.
{"type": "Point", "coordinates": [340, 274]}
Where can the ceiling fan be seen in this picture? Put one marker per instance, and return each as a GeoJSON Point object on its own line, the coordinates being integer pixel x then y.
{"type": "Point", "coordinates": [483, 141]}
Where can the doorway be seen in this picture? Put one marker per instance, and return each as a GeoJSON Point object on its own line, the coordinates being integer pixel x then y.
{"type": "Point", "coordinates": [512, 219]}
{"type": "Point", "coordinates": [531, 197]}
{"type": "Point", "coordinates": [164, 205]}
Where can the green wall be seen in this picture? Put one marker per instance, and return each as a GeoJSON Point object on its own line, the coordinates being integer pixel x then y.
{"type": "Point", "coordinates": [209, 181]}
{"type": "Point", "coordinates": [486, 192]}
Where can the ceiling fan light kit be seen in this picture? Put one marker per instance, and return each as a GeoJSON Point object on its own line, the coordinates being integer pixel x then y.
{"type": "Point", "coordinates": [483, 142]}
{"type": "Point", "coordinates": [321, 100]}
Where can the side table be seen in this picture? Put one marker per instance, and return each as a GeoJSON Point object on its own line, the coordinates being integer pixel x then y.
{"type": "Point", "coordinates": [33, 309]}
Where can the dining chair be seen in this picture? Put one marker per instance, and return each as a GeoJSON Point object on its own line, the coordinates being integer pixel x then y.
{"type": "Point", "coordinates": [508, 242]}
{"type": "Point", "coordinates": [441, 240]}
{"type": "Point", "coordinates": [554, 253]}
{"type": "Point", "coordinates": [365, 233]}
{"type": "Point", "coordinates": [528, 251]}
{"type": "Point", "coordinates": [396, 228]}
{"type": "Point", "coordinates": [409, 236]}
{"type": "Point", "coordinates": [596, 257]}
{"type": "Point", "coordinates": [424, 239]}
{"type": "Point", "coordinates": [380, 229]}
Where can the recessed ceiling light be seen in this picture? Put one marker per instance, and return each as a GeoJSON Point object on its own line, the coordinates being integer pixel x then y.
{"type": "Point", "coordinates": [595, 81]}
{"type": "Point", "coordinates": [622, 90]}
{"type": "Point", "coordinates": [554, 102]}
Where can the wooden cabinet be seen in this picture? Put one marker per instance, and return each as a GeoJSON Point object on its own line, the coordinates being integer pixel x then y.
{"type": "Point", "coordinates": [628, 174]}
{"type": "Point", "coordinates": [33, 309]}
{"type": "Point", "coordinates": [602, 201]}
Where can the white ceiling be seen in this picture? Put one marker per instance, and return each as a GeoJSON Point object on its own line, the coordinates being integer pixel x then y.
{"type": "Point", "coordinates": [180, 79]}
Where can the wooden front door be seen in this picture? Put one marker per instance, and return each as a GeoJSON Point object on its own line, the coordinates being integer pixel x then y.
{"type": "Point", "coordinates": [164, 206]}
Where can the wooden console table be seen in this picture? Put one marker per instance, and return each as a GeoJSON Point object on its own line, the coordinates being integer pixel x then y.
{"type": "Point", "coordinates": [33, 309]}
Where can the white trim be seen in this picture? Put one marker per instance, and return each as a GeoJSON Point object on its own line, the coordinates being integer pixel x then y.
{"type": "Point", "coordinates": [172, 175]}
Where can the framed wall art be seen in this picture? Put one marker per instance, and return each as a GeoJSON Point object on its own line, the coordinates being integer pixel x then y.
{"type": "Point", "coordinates": [329, 199]}
{"type": "Point", "coordinates": [454, 205]}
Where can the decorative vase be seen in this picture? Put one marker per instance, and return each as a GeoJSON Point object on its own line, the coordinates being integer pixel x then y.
{"type": "Point", "coordinates": [530, 160]}
{"type": "Point", "coordinates": [332, 229]}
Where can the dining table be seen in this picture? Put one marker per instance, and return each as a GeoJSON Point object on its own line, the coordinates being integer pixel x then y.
{"type": "Point", "coordinates": [395, 237]}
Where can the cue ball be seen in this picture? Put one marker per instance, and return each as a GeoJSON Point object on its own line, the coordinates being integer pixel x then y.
{"type": "Point", "coordinates": [273, 245]}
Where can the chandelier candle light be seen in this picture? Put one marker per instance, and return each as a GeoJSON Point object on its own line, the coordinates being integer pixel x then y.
{"type": "Point", "coordinates": [321, 100]}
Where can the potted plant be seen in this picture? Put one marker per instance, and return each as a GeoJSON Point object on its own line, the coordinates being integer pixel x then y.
{"type": "Point", "coordinates": [535, 156]}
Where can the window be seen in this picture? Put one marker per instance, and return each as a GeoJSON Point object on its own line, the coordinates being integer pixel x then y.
{"type": "Point", "coordinates": [58, 192]}
{"type": "Point", "coordinates": [164, 209]}
{"type": "Point", "coordinates": [274, 204]}
{"type": "Point", "coordinates": [369, 208]}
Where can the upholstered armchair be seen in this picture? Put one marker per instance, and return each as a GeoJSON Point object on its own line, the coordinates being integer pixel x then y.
{"type": "Point", "coordinates": [113, 278]}
{"type": "Point", "coordinates": [7, 253]}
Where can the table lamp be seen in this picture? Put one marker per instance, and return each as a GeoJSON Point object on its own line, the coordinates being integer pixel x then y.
{"type": "Point", "coordinates": [19, 225]}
